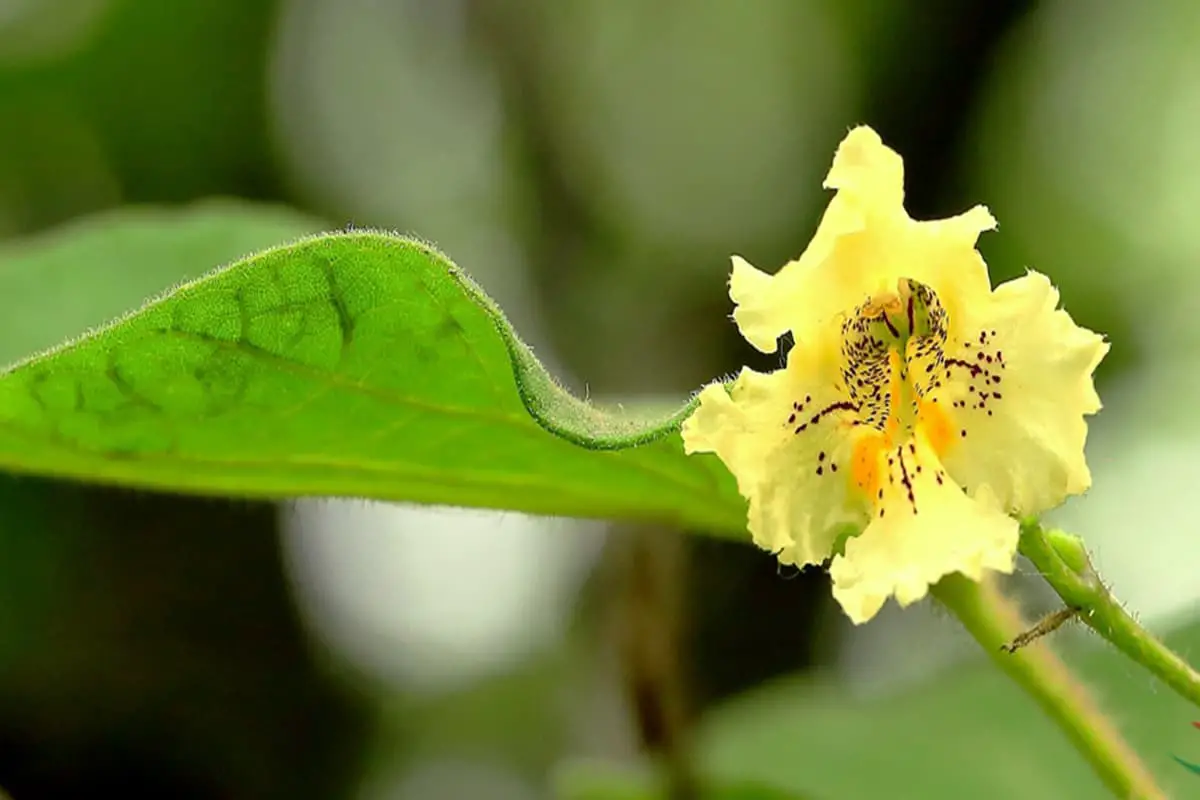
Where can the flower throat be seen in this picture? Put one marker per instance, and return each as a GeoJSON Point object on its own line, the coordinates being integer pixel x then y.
{"type": "Point", "coordinates": [892, 346]}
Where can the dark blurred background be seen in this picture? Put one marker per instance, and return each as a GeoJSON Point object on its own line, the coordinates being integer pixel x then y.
{"type": "Point", "coordinates": [593, 164]}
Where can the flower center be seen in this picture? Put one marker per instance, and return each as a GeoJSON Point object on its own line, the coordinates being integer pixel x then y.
{"type": "Point", "coordinates": [892, 347]}
{"type": "Point", "coordinates": [893, 363]}
{"type": "Point", "coordinates": [893, 356]}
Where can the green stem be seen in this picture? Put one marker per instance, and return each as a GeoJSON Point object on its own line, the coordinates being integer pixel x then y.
{"type": "Point", "coordinates": [992, 621]}
{"type": "Point", "coordinates": [1063, 562]}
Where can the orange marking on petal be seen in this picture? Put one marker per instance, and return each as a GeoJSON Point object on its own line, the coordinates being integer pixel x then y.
{"type": "Point", "coordinates": [864, 463]}
{"type": "Point", "coordinates": [935, 424]}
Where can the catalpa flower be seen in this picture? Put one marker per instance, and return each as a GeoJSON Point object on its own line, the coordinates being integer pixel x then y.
{"type": "Point", "coordinates": [919, 408]}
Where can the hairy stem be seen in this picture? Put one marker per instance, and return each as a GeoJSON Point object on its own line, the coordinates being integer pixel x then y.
{"type": "Point", "coordinates": [992, 620]}
{"type": "Point", "coordinates": [1063, 562]}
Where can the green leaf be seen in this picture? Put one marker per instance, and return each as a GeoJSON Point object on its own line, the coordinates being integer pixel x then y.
{"type": "Point", "coordinates": [358, 364]}
{"type": "Point", "coordinates": [971, 733]}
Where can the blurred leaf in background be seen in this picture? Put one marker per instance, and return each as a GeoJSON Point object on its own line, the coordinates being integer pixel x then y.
{"type": "Point", "coordinates": [593, 165]}
{"type": "Point", "coordinates": [966, 733]}
{"type": "Point", "coordinates": [150, 102]}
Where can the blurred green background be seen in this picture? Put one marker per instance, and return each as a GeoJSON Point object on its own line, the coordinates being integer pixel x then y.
{"type": "Point", "coordinates": [593, 164]}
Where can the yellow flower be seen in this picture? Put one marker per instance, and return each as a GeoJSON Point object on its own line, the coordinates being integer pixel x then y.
{"type": "Point", "coordinates": [918, 405]}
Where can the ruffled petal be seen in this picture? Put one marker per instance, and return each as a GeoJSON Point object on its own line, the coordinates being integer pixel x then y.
{"type": "Point", "coordinates": [762, 309]}
{"type": "Point", "coordinates": [786, 439]}
{"type": "Point", "coordinates": [1017, 386]}
{"type": "Point", "coordinates": [866, 242]}
{"type": "Point", "coordinates": [924, 528]}
{"type": "Point", "coordinates": [867, 170]}
{"type": "Point", "coordinates": [942, 255]}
